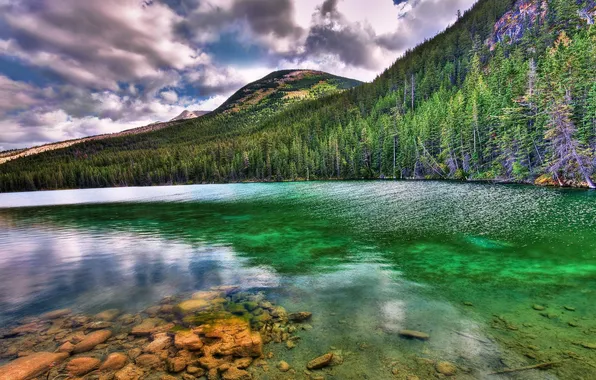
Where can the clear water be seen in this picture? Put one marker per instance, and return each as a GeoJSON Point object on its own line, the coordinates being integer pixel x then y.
{"type": "Point", "coordinates": [367, 258]}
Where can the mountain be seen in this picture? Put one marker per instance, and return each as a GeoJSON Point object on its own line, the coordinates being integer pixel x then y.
{"type": "Point", "coordinates": [271, 93]}
{"type": "Point", "coordinates": [494, 97]}
{"type": "Point", "coordinates": [280, 88]}
{"type": "Point", "coordinates": [19, 153]}
{"type": "Point", "coordinates": [186, 114]}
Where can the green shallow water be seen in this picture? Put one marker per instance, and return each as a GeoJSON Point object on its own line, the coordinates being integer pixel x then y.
{"type": "Point", "coordinates": [367, 258]}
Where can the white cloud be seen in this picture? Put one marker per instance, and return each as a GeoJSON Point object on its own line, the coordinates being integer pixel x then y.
{"type": "Point", "coordinates": [169, 96]}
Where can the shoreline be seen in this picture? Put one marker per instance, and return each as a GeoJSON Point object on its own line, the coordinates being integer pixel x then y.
{"type": "Point", "coordinates": [301, 180]}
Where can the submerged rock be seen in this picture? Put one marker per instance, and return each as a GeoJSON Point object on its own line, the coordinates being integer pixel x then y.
{"type": "Point", "coordinates": [196, 371]}
{"type": "Point", "coordinates": [56, 314]}
{"type": "Point", "coordinates": [29, 328]}
{"type": "Point", "coordinates": [99, 325]}
{"type": "Point", "coordinates": [114, 362]}
{"type": "Point", "coordinates": [300, 316]}
{"type": "Point", "coordinates": [82, 366]}
{"type": "Point", "coordinates": [236, 374]}
{"type": "Point", "coordinates": [149, 361]}
{"type": "Point", "coordinates": [178, 363]}
{"type": "Point", "coordinates": [160, 342]}
{"type": "Point", "coordinates": [31, 366]}
{"type": "Point", "coordinates": [446, 368]}
{"type": "Point", "coordinates": [147, 327]}
{"type": "Point", "coordinates": [320, 362]}
{"type": "Point", "coordinates": [413, 334]}
{"type": "Point", "coordinates": [92, 340]}
{"type": "Point", "coordinates": [66, 347]}
{"type": "Point", "coordinates": [283, 366]}
{"type": "Point", "coordinates": [242, 363]}
{"type": "Point", "coordinates": [187, 340]}
{"type": "Point", "coordinates": [108, 315]}
{"type": "Point", "coordinates": [207, 295]}
{"type": "Point", "coordinates": [130, 372]}
{"type": "Point", "coordinates": [191, 306]}
{"type": "Point", "coordinates": [233, 337]}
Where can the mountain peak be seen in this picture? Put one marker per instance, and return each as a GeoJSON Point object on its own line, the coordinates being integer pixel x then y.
{"type": "Point", "coordinates": [186, 114]}
{"type": "Point", "coordinates": [283, 87]}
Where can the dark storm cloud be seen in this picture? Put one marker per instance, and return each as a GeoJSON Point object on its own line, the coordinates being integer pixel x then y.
{"type": "Point", "coordinates": [263, 18]}
{"type": "Point", "coordinates": [332, 33]}
{"type": "Point", "coordinates": [269, 17]}
{"type": "Point", "coordinates": [329, 7]}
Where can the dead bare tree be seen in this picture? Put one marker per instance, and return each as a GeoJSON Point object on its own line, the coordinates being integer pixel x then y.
{"type": "Point", "coordinates": [568, 156]}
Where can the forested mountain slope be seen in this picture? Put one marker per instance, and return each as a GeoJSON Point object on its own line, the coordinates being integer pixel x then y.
{"type": "Point", "coordinates": [507, 93]}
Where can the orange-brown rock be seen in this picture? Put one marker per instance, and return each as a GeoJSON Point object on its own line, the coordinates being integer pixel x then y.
{"type": "Point", "coordinates": [242, 363]}
{"type": "Point", "coordinates": [130, 372]}
{"type": "Point", "coordinates": [236, 374]}
{"type": "Point", "coordinates": [446, 368]}
{"type": "Point", "coordinates": [209, 362]}
{"type": "Point", "coordinates": [114, 362]}
{"type": "Point", "coordinates": [66, 347]}
{"type": "Point", "coordinates": [196, 371]}
{"type": "Point", "coordinates": [81, 366]}
{"type": "Point", "coordinates": [188, 340]}
{"type": "Point", "coordinates": [178, 363]}
{"type": "Point", "coordinates": [29, 328]}
{"type": "Point", "coordinates": [168, 377]}
{"type": "Point", "coordinates": [234, 338]}
{"type": "Point", "coordinates": [30, 366]}
{"type": "Point", "coordinates": [91, 340]}
{"type": "Point", "coordinates": [320, 362]}
{"type": "Point", "coordinates": [160, 342]}
{"type": "Point", "coordinates": [147, 327]}
{"type": "Point", "coordinates": [134, 353]}
{"type": "Point", "coordinates": [149, 361]}
{"type": "Point", "coordinates": [74, 338]}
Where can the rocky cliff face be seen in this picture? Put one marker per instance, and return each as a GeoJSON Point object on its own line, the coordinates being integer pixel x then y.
{"type": "Point", "coordinates": [525, 14]}
{"type": "Point", "coordinates": [513, 24]}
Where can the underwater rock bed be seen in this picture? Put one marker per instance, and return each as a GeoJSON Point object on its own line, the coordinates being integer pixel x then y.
{"type": "Point", "coordinates": [215, 334]}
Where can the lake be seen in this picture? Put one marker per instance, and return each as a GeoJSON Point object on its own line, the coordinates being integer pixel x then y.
{"type": "Point", "coordinates": [498, 276]}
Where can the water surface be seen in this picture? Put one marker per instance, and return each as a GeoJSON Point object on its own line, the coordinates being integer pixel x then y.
{"type": "Point", "coordinates": [367, 258]}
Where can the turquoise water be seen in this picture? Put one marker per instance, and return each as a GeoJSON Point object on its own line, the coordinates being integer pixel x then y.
{"type": "Point", "coordinates": [461, 262]}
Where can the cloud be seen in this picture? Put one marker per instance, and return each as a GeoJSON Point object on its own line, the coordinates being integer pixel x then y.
{"type": "Point", "coordinates": [332, 33]}
{"type": "Point", "coordinates": [16, 95]}
{"type": "Point", "coordinates": [422, 19]}
{"type": "Point", "coordinates": [267, 22]}
{"type": "Point", "coordinates": [169, 96]}
{"type": "Point", "coordinates": [97, 43]}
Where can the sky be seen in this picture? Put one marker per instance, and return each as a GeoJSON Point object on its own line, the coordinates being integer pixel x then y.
{"type": "Point", "coordinates": [72, 68]}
